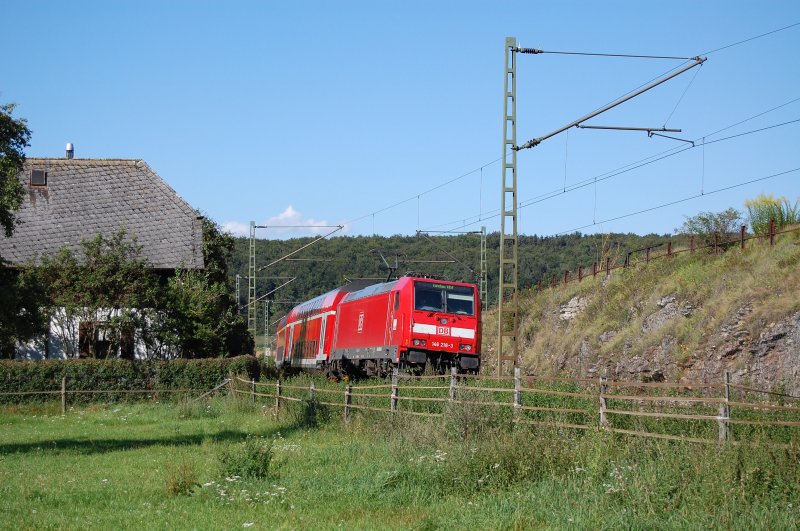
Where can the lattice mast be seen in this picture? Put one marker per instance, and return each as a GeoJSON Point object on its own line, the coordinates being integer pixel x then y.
{"type": "Point", "coordinates": [507, 304]}
{"type": "Point", "coordinates": [484, 276]}
{"type": "Point", "coordinates": [251, 283]}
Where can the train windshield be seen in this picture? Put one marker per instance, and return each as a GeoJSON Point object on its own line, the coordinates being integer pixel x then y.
{"type": "Point", "coordinates": [434, 297]}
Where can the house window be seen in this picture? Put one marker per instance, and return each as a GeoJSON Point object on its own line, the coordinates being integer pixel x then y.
{"type": "Point", "coordinates": [95, 340]}
{"type": "Point", "coordinates": [38, 178]}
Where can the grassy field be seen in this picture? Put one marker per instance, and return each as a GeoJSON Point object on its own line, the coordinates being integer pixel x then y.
{"type": "Point", "coordinates": [225, 464]}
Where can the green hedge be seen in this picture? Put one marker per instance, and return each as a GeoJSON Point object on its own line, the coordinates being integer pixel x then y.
{"type": "Point", "coordinates": [113, 376]}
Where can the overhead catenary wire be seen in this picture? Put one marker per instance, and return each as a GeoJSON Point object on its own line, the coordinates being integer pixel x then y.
{"type": "Point", "coordinates": [624, 169]}
{"type": "Point", "coordinates": [688, 86]}
{"type": "Point", "coordinates": [429, 190]}
{"type": "Point", "coordinates": [715, 50]}
{"type": "Point", "coordinates": [696, 61]}
{"type": "Point", "coordinates": [480, 168]}
{"type": "Point", "coordinates": [420, 233]}
{"type": "Point", "coordinates": [700, 141]}
{"type": "Point", "coordinates": [683, 200]}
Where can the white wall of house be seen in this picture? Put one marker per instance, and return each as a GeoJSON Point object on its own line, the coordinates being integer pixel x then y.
{"type": "Point", "coordinates": [62, 341]}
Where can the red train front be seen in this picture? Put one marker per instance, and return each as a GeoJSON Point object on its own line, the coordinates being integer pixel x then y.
{"type": "Point", "coordinates": [410, 323]}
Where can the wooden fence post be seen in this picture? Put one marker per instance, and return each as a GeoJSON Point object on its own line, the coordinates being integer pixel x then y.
{"type": "Point", "coordinates": [253, 390]}
{"type": "Point", "coordinates": [63, 395]}
{"type": "Point", "coordinates": [669, 248]}
{"type": "Point", "coordinates": [453, 383]}
{"type": "Point", "coordinates": [771, 232]}
{"type": "Point", "coordinates": [580, 273]}
{"type": "Point", "coordinates": [594, 269]}
{"type": "Point", "coordinates": [647, 256]}
{"type": "Point", "coordinates": [725, 410]}
{"type": "Point", "coordinates": [691, 244]}
{"type": "Point", "coordinates": [394, 390]}
{"type": "Point", "coordinates": [277, 398]}
{"type": "Point", "coordinates": [517, 392]}
{"type": "Point", "coordinates": [742, 232]}
{"type": "Point", "coordinates": [603, 402]}
{"type": "Point", "coordinates": [716, 243]}
{"type": "Point", "coordinates": [608, 265]}
{"type": "Point", "coordinates": [348, 401]}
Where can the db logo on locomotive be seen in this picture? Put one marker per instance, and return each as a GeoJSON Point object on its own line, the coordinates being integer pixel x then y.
{"type": "Point", "coordinates": [443, 330]}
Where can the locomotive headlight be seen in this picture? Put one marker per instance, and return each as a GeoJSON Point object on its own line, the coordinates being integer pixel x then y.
{"type": "Point", "coordinates": [443, 320]}
{"type": "Point", "coordinates": [419, 342]}
{"type": "Point", "coordinates": [467, 348]}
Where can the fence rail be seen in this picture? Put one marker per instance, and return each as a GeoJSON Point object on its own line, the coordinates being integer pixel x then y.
{"type": "Point", "coordinates": [606, 267]}
{"type": "Point", "coordinates": [590, 400]}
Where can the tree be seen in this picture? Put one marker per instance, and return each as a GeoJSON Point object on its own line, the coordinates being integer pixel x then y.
{"type": "Point", "coordinates": [101, 298]}
{"type": "Point", "coordinates": [21, 299]}
{"type": "Point", "coordinates": [22, 315]}
{"type": "Point", "coordinates": [200, 313]}
{"type": "Point", "coordinates": [709, 225]}
{"type": "Point", "coordinates": [14, 137]}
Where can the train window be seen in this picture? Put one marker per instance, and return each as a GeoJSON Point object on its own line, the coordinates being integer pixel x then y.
{"type": "Point", "coordinates": [396, 300]}
{"type": "Point", "coordinates": [460, 303]}
{"type": "Point", "coordinates": [447, 298]}
{"type": "Point", "coordinates": [428, 298]}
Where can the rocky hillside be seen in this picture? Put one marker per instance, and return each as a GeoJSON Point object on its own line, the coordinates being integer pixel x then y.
{"type": "Point", "coordinates": [689, 317]}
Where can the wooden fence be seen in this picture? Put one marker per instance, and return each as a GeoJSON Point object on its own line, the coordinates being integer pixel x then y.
{"type": "Point", "coordinates": [655, 252]}
{"type": "Point", "coordinates": [694, 412]}
{"type": "Point", "coordinates": [686, 411]}
{"type": "Point", "coordinates": [64, 392]}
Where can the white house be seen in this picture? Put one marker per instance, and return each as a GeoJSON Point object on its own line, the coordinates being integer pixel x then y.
{"type": "Point", "coordinates": [71, 200]}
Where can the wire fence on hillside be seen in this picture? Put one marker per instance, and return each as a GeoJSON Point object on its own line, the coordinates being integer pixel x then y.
{"type": "Point", "coordinates": [651, 253]}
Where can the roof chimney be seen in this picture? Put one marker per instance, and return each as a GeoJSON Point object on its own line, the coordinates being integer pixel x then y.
{"type": "Point", "coordinates": [70, 150]}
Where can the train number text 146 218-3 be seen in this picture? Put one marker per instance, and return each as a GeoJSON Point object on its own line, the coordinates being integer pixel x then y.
{"type": "Point", "coordinates": [442, 344]}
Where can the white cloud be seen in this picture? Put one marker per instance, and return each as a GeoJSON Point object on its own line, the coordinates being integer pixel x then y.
{"type": "Point", "coordinates": [288, 224]}
{"type": "Point", "coordinates": [235, 228]}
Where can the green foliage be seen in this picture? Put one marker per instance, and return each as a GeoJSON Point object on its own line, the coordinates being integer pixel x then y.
{"type": "Point", "coordinates": [766, 208]}
{"type": "Point", "coordinates": [352, 257]}
{"type": "Point", "coordinates": [191, 408]}
{"type": "Point", "coordinates": [22, 315]}
{"type": "Point", "coordinates": [401, 473]}
{"type": "Point", "coordinates": [709, 293]}
{"type": "Point", "coordinates": [708, 225]}
{"type": "Point", "coordinates": [109, 285]}
{"type": "Point", "coordinates": [14, 138]}
{"type": "Point", "coordinates": [181, 480]}
{"type": "Point", "coordinates": [21, 318]}
{"type": "Point", "coordinates": [118, 375]}
{"type": "Point", "coordinates": [200, 315]}
{"type": "Point", "coordinates": [248, 459]}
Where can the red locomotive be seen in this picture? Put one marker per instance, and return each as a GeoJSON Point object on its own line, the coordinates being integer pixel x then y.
{"type": "Point", "coordinates": [406, 323]}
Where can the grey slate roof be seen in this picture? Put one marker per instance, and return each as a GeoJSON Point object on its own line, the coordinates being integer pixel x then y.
{"type": "Point", "coordinates": [87, 197]}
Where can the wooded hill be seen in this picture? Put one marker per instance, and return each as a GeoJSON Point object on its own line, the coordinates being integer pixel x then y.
{"type": "Point", "coordinates": [332, 262]}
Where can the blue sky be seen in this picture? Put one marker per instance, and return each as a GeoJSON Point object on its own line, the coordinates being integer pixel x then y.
{"type": "Point", "coordinates": [319, 113]}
